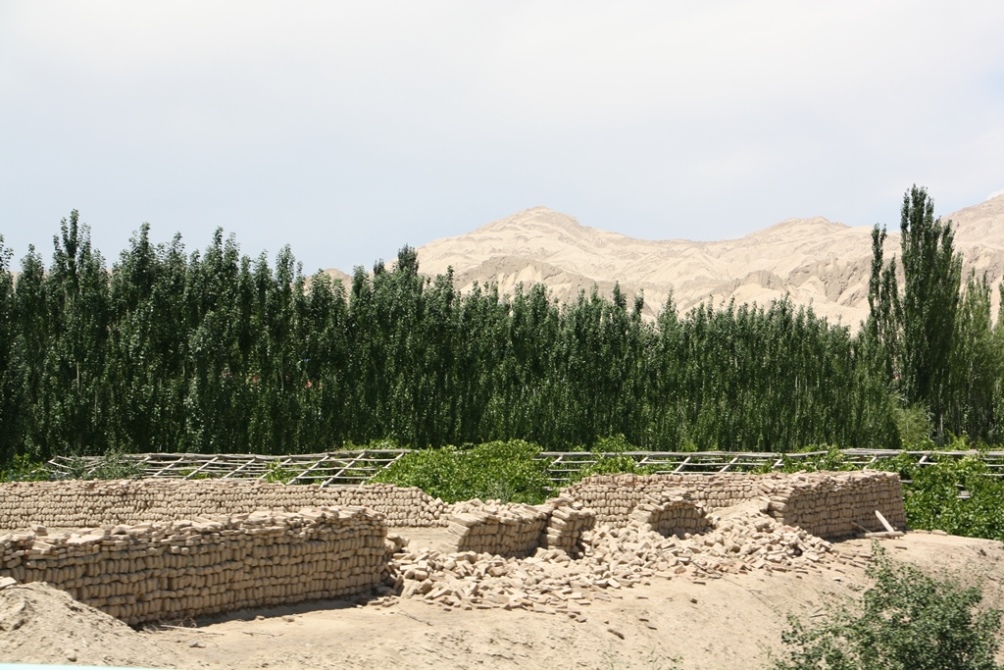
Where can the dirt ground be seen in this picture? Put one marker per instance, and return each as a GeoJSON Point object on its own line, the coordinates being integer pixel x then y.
{"type": "Point", "coordinates": [731, 622]}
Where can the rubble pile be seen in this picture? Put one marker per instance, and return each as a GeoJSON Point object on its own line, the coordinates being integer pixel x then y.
{"type": "Point", "coordinates": [614, 557]}
{"type": "Point", "coordinates": [157, 571]}
{"type": "Point", "coordinates": [81, 504]}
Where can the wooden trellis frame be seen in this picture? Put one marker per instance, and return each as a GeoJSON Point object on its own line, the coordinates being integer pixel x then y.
{"type": "Point", "coordinates": [358, 467]}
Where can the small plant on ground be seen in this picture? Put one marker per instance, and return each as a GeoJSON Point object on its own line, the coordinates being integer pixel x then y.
{"type": "Point", "coordinates": [906, 621]}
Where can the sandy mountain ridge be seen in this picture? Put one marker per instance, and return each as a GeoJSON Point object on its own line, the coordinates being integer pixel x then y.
{"type": "Point", "coordinates": [816, 261]}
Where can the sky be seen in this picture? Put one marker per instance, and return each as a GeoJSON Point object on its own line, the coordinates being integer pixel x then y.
{"type": "Point", "coordinates": [347, 130]}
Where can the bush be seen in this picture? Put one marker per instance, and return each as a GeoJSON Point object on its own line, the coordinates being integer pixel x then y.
{"type": "Point", "coordinates": [23, 469]}
{"type": "Point", "coordinates": [914, 425]}
{"type": "Point", "coordinates": [612, 460]}
{"type": "Point", "coordinates": [506, 471]}
{"type": "Point", "coordinates": [933, 499]}
{"type": "Point", "coordinates": [906, 621]}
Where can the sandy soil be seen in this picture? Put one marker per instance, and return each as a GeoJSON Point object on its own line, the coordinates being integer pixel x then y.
{"type": "Point", "coordinates": [731, 622]}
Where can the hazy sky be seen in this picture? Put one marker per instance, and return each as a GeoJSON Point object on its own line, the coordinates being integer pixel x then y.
{"type": "Point", "coordinates": [349, 129]}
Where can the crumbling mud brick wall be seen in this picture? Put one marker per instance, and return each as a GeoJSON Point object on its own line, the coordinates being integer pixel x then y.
{"type": "Point", "coordinates": [567, 520]}
{"type": "Point", "coordinates": [163, 549]}
{"type": "Point", "coordinates": [173, 570]}
{"type": "Point", "coordinates": [518, 530]}
{"type": "Point", "coordinates": [831, 505]}
{"type": "Point", "coordinates": [506, 530]}
{"type": "Point", "coordinates": [81, 504]}
{"type": "Point", "coordinates": [673, 514]}
{"type": "Point", "coordinates": [838, 505]}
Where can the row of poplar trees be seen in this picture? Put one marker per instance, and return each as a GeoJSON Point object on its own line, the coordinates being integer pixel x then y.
{"type": "Point", "coordinates": [214, 351]}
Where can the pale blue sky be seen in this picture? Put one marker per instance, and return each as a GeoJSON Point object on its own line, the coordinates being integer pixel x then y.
{"type": "Point", "coordinates": [349, 129]}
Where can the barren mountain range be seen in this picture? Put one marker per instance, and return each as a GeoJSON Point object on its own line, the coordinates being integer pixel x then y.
{"type": "Point", "coordinates": [815, 261]}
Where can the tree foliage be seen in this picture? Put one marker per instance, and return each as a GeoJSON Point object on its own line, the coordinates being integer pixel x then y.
{"type": "Point", "coordinates": [907, 620]}
{"type": "Point", "coordinates": [214, 351]}
{"type": "Point", "coordinates": [933, 339]}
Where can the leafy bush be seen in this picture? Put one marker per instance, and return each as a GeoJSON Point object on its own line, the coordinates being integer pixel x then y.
{"type": "Point", "coordinates": [907, 620]}
{"type": "Point", "coordinates": [958, 496]}
{"type": "Point", "coordinates": [612, 460]}
{"type": "Point", "coordinates": [507, 471]}
{"type": "Point", "coordinates": [23, 469]}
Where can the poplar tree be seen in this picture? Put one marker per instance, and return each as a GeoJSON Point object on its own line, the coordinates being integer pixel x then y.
{"type": "Point", "coordinates": [10, 385]}
{"type": "Point", "coordinates": [914, 328]}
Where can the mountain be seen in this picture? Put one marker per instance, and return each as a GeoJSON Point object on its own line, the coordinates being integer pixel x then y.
{"type": "Point", "coordinates": [815, 261]}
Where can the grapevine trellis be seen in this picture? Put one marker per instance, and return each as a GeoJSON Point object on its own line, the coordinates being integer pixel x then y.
{"type": "Point", "coordinates": [359, 467]}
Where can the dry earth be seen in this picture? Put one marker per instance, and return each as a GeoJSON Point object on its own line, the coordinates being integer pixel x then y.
{"type": "Point", "coordinates": [730, 622]}
{"type": "Point", "coordinates": [815, 261]}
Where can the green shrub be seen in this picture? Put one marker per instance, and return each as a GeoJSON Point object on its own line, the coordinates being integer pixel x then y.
{"type": "Point", "coordinates": [506, 471]}
{"type": "Point", "coordinates": [23, 469]}
{"type": "Point", "coordinates": [958, 496]}
{"type": "Point", "coordinates": [612, 460]}
{"type": "Point", "coordinates": [914, 425]}
{"type": "Point", "coordinates": [906, 621]}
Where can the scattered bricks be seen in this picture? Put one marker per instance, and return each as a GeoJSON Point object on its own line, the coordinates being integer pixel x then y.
{"type": "Point", "coordinates": [612, 559]}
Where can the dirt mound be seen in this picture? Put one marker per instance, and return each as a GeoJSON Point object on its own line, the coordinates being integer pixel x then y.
{"type": "Point", "coordinates": [40, 624]}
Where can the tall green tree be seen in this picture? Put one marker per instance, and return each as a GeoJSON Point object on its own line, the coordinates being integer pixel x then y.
{"type": "Point", "coordinates": [914, 328]}
{"type": "Point", "coordinates": [10, 368]}
{"type": "Point", "coordinates": [78, 297]}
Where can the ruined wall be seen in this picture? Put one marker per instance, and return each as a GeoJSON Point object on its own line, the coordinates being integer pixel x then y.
{"type": "Point", "coordinates": [164, 571]}
{"type": "Point", "coordinates": [672, 514]}
{"type": "Point", "coordinates": [491, 528]}
{"type": "Point", "coordinates": [82, 504]}
{"type": "Point", "coordinates": [517, 530]}
{"type": "Point", "coordinates": [167, 549]}
{"type": "Point", "coordinates": [831, 505]}
{"type": "Point", "coordinates": [839, 505]}
{"type": "Point", "coordinates": [568, 519]}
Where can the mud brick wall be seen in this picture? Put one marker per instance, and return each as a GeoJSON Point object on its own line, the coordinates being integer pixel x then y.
{"type": "Point", "coordinates": [839, 505]}
{"type": "Point", "coordinates": [502, 529]}
{"type": "Point", "coordinates": [614, 497]}
{"type": "Point", "coordinates": [165, 571]}
{"type": "Point", "coordinates": [567, 521]}
{"type": "Point", "coordinates": [81, 504]}
{"type": "Point", "coordinates": [826, 504]}
{"type": "Point", "coordinates": [674, 514]}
